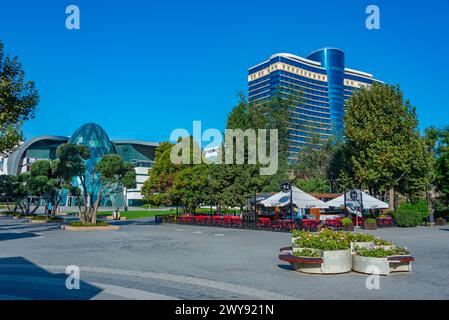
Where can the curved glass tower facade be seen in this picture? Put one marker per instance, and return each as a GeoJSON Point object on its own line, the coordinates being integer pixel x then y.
{"type": "Point", "coordinates": [324, 84]}
{"type": "Point", "coordinates": [333, 60]}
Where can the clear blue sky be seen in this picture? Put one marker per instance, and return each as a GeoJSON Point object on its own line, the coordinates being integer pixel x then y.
{"type": "Point", "coordinates": [143, 68]}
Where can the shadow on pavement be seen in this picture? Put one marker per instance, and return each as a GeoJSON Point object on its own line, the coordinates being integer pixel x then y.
{"type": "Point", "coordinates": [15, 236]}
{"type": "Point", "coordinates": [286, 267]}
{"type": "Point", "coordinates": [22, 279]}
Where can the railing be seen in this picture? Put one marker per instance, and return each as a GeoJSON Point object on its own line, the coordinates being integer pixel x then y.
{"type": "Point", "coordinates": [249, 221]}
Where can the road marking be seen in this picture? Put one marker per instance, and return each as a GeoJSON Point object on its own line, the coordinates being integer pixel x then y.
{"type": "Point", "coordinates": [179, 230]}
{"type": "Point", "coordinates": [218, 234]}
{"type": "Point", "coordinates": [197, 232]}
{"type": "Point", "coordinates": [130, 293]}
{"type": "Point", "coordinates": [123, 292]}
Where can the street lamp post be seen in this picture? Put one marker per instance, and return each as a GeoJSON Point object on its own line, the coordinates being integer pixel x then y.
{"type": "Point", "coordinates": [291, 202]}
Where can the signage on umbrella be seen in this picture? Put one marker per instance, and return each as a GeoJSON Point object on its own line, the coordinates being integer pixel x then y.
{"type": "Point", "coordinates": [286, 187]}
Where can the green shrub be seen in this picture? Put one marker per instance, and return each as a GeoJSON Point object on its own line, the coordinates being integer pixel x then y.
{"type": "Point", "coordinates": [411, 214]}
{"type": "Point", "coordinates": [51, 218]}
{"type": "Point", "coordinates": [307, 253]}
{"type": "Point", "coordinates": [380, 252]}
{"type": "Point", "coordinates": [360, 237]}
{"type": "Point", "coordinates": [325, 240]}
{"type": "Point", "coordinates": [346, 221]}
{"type": "Point", "coordinates": [370, 220]}
{"type": "Point", "coordinates": [418, 206]}
{"type": "Point", "coordinates": [382, 242]}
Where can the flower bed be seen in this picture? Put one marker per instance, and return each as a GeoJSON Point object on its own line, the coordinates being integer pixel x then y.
{"type": "Point", "coordinates": [331, 252]}
{"type": "Point", "coordinates": [360, 240]}
{"type": "Point", "coordinates": [332, 247]}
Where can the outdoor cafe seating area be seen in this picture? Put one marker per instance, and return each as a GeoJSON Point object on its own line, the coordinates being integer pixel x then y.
{"type": "Point", "coordinates": [261, 223]}
{"type": "Point", "coordinates": [276, 214]}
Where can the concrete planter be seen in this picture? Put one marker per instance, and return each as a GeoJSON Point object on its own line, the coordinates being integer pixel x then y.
{"type": "Point", "coordinates": [336, 261]}
{"type": "Point", "coordinates": [333, 262]}
{"type": "Point", "coordinates": [370, 225]}
{"type": "Point", "coordinates": [369, 265]}
{"type": "Point", "coordinates": [97, 228]}
{"type": "Point", "coordinates": [112, 218]}
{"type": "Point", "coordinates": [35, 221]}
{"type": "Point", "coordinates": [354, 245]}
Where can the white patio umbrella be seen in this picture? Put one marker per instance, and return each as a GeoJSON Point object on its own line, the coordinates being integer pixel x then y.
{"type": "Point", "coordinates": [300, 198]}
{"type": "Point", "coordinates": [368, 202]}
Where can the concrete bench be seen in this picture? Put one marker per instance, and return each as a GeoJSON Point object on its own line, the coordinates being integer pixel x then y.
{"type": "Point", "coordinates": [287, 257]}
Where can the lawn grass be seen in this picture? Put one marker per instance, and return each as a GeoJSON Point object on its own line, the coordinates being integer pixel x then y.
{"type": "Point", "coordinates": [51, 218]}
{"type": "Point", "coordinates": [138, 214]}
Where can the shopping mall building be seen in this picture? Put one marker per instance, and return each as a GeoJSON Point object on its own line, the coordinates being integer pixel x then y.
{"type": "Point", "coordinates": [139, 153]}
{"type": "Point", "coordinates": [324, 83]}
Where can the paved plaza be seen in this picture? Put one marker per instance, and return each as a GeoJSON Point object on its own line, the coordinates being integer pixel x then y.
{"type": "Point", "coordinates": [147, 261]}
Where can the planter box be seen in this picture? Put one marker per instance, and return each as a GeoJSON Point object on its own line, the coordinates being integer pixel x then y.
{"type": "Point", "coordinates": [383, 265]}
{"type": "Point", "coordinates": [38, 221]}
{"type": "Point", "coordinates": [35, 221]}
{"type": "Point", "coordinates": [347, 227]}
{"type": "Point", "coordinates": [97, 228]}
{"type": "Point", "coordinates": [111, 218]}
{"type": "Point", "coordinates": [440, 222]}
{"type": "Point", "coordinates": [360, 245]}
{"type": "Point", "coordinates": [333, 262]}
{"type": "Point", "coordinates": [370, 226]}
{"type": "Point", "coordinates": [336, 261]}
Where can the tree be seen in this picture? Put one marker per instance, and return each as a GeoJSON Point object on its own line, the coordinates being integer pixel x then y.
{"type": "Point", "coordinates": [242, 180]}
{"type": "Point", "coordinates": [114, 175]}
{"type": "Point", "coordinates": [71, 165]}
{"type": "Point", "coordinates": [191, 185]}
{"type": "Point", "coordinates": [156, 189]}
{"type": "Point", "coordinates": [25, 187]}
{"type": "Point", "coordinates": [6, 189]}
{"type": "Point", "coordinates": [384, 146]}
{"type": "Point", "coordinates": [312, 167]}
{"type": "Point", "coordinates": [441, 147]}
{"type": "Point", "coordinates": [18, 101]}
{"type": "Point", "coordinates": [48, 181]}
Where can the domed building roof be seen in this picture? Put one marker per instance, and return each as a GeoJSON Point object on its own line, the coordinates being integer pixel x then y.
{"type": "Point", "coordinates": [93, 136]}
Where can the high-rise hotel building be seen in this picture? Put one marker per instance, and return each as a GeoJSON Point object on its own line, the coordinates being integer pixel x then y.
{"type": "Point", "coordinates": [322, 81]}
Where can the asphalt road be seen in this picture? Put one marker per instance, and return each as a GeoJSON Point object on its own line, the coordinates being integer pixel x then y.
{"type": "Point", "coordinates": [146, 261]}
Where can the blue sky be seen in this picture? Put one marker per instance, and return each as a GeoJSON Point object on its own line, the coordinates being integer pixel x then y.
{"type": "Point", "coordinates": [141, 68]}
